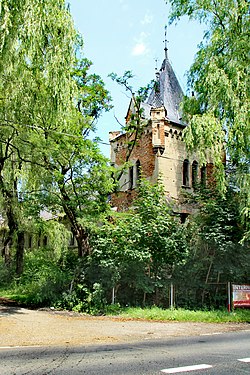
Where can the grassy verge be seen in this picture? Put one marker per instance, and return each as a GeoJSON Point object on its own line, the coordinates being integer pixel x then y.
{"type": "Point", "coordinates": [182, 315]}
{"type": "Point", "coordinates": [155, 313]}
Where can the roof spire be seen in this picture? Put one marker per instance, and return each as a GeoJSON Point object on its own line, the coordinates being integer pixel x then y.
{"type": "Point", "coordinates": [166, 43]}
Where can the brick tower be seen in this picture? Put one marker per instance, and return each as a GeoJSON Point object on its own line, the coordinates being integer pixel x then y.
{"type": "Point", "coordinates": [160, 152]}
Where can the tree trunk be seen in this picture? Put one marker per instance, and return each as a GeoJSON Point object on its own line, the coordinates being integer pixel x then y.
{"type": "Point", "coordinates": [6, 250]}
{"type": "Point", "coordinates": [11, 204]}
{"type": "Point", "coordinates": [82, 240]}
{"type": "Point", "coordinates": [81, 235]}
{"type": "Point", "coordinates": [19, 253]}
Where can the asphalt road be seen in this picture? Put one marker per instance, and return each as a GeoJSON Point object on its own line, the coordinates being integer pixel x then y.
{"type": "Point", "coordinates": [220, 354]}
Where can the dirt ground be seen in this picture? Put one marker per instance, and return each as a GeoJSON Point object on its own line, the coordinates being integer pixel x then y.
{"type": "Point", "coordinates": [46, 327]}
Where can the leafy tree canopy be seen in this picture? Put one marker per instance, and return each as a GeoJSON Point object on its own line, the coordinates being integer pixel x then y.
{"type": "Point", "coordinates": [218, 111]}
{"type": "Point", "coordinates": [49, 104]}
{"type": "Point", "coordinates": [139, 248]}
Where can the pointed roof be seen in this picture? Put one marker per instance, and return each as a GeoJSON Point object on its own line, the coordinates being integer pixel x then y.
{"type": "Point", "coordinates": [167, 92]}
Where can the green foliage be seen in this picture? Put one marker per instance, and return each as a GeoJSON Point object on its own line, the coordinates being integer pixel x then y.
{"type": "Point", "coordinates": [58, 237]}
{"type": "Point", "coordinates": [138, 253]}
{"type": "Point", "coordinates": [43, 280]}
{"type": "Point", "coordinates": [93, 98]}
{"type": "Point", "coordinates": [217, 252]}
{"type": "Point", "coordinates": [49, 104]}
{"type": "Point", "coordinates": [135, 252]}
{"type": "Point", "coordinates": [182, 315]}
{"type": "Point", "coordinates": [161, 231]}
{"type": "Point", "coordinates": [218, 114]}
{"type": "Point", "coordinates": [130, 254]}
{"type": "Point", "coordinates": [142, 92]}
{"type": "Point", "coordinates": [117, 259]}
{"type": "Point", "coordinates": [54, 230]}
{"type": "Point", "coordinates": [6, 274]}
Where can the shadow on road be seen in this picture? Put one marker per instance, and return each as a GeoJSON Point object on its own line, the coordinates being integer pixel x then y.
{"type": "Point", "coordinates": [7, 306]}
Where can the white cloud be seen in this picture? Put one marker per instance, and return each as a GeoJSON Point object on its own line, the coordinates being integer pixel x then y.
{"type": "Point", "coordinates": [148, 19]}
{"type": "Point", "coordinates": [140, 47]}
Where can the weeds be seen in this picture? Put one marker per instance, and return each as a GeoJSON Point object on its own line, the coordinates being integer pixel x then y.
{"type": "Point", "coordinates": [183, 315]}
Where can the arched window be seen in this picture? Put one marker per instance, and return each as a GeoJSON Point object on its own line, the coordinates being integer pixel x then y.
{"type": "Point", "coordinates": [30, 242]}
{"type": "Point", "coordinates": [186, 173]}
{"type": "Point", "coordinates": [138, 171]}
{"type": "Point", "coordinates": [203, 175]}
{"type": "Point", "coordinates": [194, 173]}
{"type": "Point", "coordinates": [131, 177]}
{"type": "Point", "coordinates": [45, 241]}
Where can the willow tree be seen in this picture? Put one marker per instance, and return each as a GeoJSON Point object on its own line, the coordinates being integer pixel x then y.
{"type": "Point", "coordinates": [218, 110]}
{"type": "Point", "coordinates": [46, 108]}
{"type": "Point", "coordinates": [71, 174]}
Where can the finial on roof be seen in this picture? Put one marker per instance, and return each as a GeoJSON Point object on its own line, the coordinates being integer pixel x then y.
{"type": "Point", "coordinates": [156, 63]}
{"type": "Point", "coordinates": [157, 74]}
{"type": "Point", "coordinates": [166, 43]}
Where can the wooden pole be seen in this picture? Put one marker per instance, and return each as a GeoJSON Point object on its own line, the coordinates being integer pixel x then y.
{"type": "Point", "coordinates": [171, 296]}
{"type": "Point", "coordinates": [229, 296]}
{"type": "Point", "coordinates": [113, 296]}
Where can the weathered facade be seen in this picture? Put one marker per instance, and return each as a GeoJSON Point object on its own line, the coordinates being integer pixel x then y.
{"type": "Point", "coordinates": [160, 152]}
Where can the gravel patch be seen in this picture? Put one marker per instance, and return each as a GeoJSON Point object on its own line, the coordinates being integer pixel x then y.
{"type": "Point", "coordinates": [45, 327]}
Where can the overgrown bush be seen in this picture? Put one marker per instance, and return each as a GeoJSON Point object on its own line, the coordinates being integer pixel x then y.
{"type": "Point", "coordinates": [82, 299]}
{"type": "Point", "coordinates": [6, 274]}
{"type": "Point", "coordinates": [43, 280]}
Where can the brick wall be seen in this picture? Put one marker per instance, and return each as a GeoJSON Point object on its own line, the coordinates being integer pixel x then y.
{"type": "Point", "coordinates": [123, 199]}
{"type": "Point", "coordinates": [161, 152]}
{"type": "Point", "coordinates": [142, 152]}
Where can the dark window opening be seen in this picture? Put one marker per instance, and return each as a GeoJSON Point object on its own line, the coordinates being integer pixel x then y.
{"type": "Point", "coordinates": [138, 171]}
{"type": "Point", "coordinates": [30, 242]}
{"type": "Point", "coordinates": [194, 174]}
{"type": "Point", "coordinates": [45, 241]}
{"type": "Point", "coordinates": [183, 216]}
{"type": "Point", "coordinates": [131, 177]}
{"type": "Point", "coordinates": [203, 175]}
{"type": "Point", "coordinates": [186, 172]}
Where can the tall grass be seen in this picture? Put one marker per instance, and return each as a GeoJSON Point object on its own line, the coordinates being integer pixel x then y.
{"type": "Point", "coordinates": [182, 315]}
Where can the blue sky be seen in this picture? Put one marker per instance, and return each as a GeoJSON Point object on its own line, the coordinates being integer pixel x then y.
{"type": "Point", "coordinates": [124, 35]}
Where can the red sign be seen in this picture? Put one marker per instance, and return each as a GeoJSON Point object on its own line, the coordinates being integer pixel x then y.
{"type": "Point", "coordinates": [241, 295]}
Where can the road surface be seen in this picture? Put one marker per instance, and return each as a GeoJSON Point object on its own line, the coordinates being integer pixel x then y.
{"type": "Point", "coordinates": [218, 354]}
{"type": "Point", "coordinates": [61, 343]}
